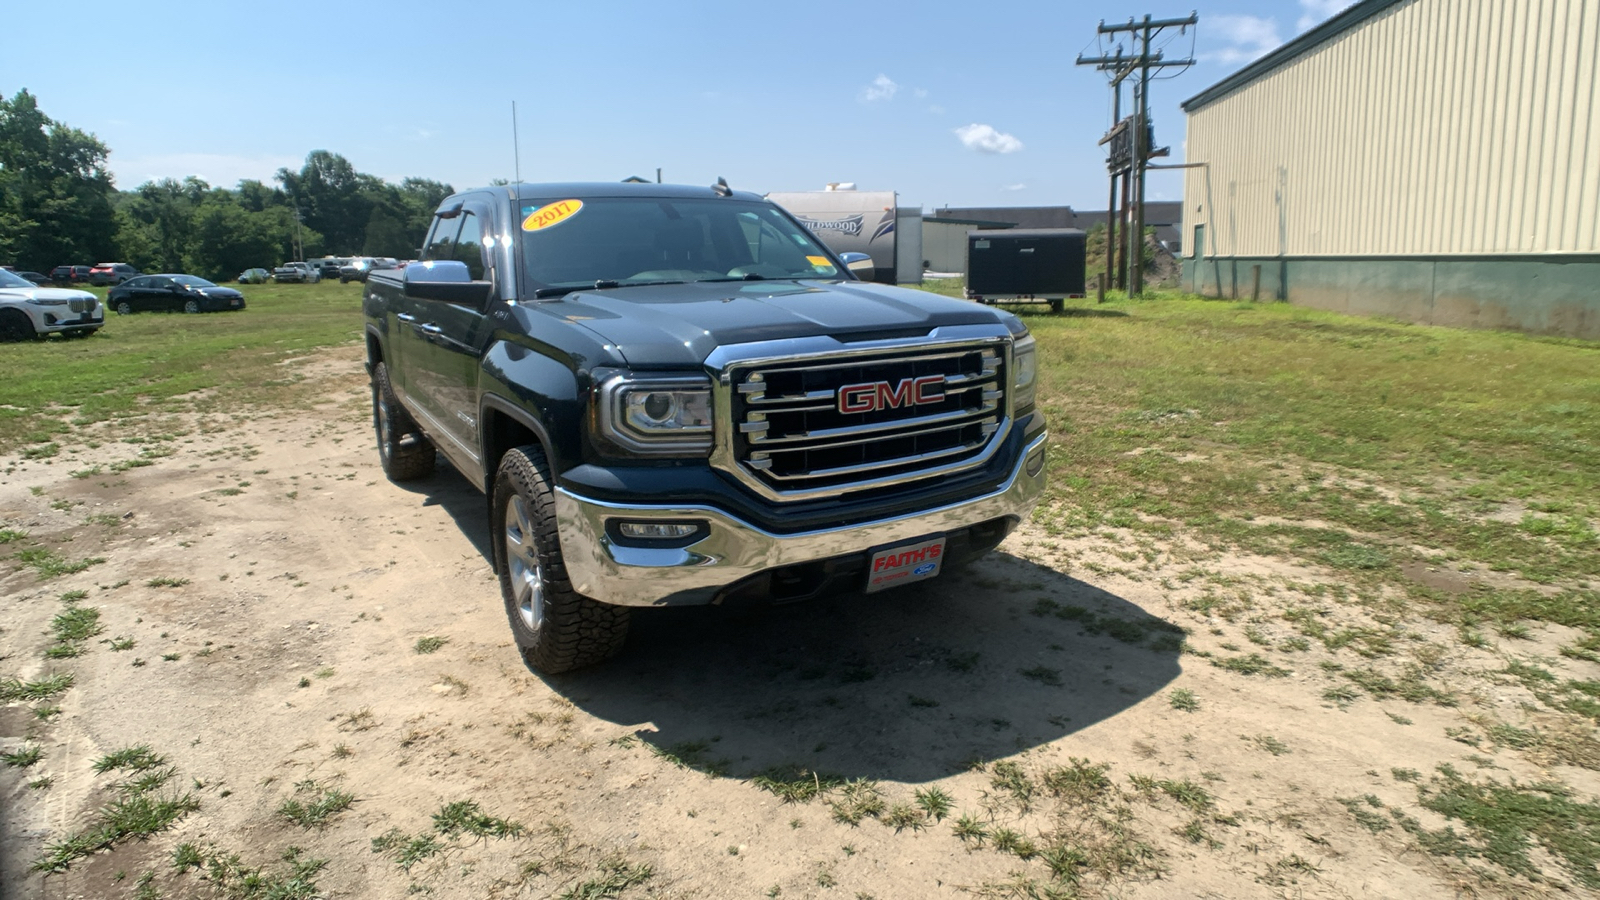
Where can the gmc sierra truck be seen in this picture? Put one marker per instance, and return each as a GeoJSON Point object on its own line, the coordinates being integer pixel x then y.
{"type": "Point", "coordinates": [678, 395]}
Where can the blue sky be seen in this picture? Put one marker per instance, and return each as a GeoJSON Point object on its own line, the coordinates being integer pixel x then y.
{"type": "Point", "coordinates": [960, 104]}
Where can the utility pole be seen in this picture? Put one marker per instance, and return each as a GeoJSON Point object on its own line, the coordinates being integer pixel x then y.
{"type": "Point", "coordinates": [1131, 138]}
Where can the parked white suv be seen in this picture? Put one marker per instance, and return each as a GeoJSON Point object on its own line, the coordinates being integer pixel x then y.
{"type": "Point", "coordinates": [28, 311]}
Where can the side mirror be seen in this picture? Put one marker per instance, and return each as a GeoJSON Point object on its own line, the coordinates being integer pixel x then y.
{"type": "Point", "coordinates": [447, 280]}
{"type": "Point", "coordinates": [859, 263]}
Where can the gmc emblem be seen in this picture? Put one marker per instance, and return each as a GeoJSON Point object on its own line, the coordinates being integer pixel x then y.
{"type": "Point", "coordinates": [875, 395]}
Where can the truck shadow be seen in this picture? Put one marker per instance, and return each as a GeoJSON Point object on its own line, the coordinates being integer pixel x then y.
{"type": "Point", "coordinates": [911, 685]}
{"type": "Point", "coordinates": [449, 490]}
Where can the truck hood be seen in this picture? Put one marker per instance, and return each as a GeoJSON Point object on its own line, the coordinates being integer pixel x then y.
{"type": "Point", "coordinates": [681, 324]}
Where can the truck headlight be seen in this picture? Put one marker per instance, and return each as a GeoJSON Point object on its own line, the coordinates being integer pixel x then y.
{"type": "Point", "coordinates": [1024, 373]}
{"type": "Point", "coordinates": [665, 416]}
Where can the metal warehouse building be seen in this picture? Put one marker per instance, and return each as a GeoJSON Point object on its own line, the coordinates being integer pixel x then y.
{"type": "Point", "coordinates": [1436, 161]}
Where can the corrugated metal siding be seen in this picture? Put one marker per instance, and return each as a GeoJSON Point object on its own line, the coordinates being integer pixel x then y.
{"type": "Point", "coordinates": [1435, 127]}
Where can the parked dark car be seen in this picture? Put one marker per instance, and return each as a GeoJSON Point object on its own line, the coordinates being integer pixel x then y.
{"type": "Point", "coordinates": [172, 292]}
{"type": "Point", "coordinates": [69, 274]}
{"type": "Point", "coordinates": [255, 276]}
{"type": "Point", "coordinates": [35, 277]}
{"type": "Point", "coordinates": [111, 273]}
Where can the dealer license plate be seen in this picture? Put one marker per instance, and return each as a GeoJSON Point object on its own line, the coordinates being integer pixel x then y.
{"type": "Point", "coordinates": [906, 563]}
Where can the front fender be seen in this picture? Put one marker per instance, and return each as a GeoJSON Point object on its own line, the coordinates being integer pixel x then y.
{"type": "Point", "coordinates": [541, 394]}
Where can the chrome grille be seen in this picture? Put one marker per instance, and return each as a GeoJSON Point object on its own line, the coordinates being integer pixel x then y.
{"type": "Point", "coordinates": [794, 432]}
{"type": "Point", "coordinates": [86, 305]}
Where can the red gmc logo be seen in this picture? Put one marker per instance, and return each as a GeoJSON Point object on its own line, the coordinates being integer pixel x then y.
{"type": "Point", "coordinates": [875, 395]}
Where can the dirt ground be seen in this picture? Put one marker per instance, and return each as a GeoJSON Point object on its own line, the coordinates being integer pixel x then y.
{"type": "Point", "coordinates": [275, 587]}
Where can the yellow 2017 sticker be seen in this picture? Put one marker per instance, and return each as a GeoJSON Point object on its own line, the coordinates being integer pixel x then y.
{"type": "Point", "coordinates": [820, 263]}
{"type": "Point", "coordinates": [551, 214]}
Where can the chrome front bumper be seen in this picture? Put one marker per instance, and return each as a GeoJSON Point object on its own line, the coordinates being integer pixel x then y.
{"type": "Point", "coordinates": [732, 548]}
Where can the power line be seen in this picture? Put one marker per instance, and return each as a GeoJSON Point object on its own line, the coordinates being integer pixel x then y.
{"type": "Point", "coordinates": [1130, 138]}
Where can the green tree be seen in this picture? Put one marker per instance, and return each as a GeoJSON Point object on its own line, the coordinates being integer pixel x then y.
{"type": "Point", "coordinates": [55, 191]}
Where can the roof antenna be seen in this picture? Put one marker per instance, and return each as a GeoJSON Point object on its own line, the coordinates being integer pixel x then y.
{"type": "Point", "coordinates": [516, 149]}
{"type": "Point", "coordinates": [721, 188]}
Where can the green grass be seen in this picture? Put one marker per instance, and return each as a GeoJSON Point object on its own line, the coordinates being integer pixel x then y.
{"type": "Point", "coordinates": [313, 804]}
{"type": "Point", "coordinates": [50, 564]}
{"type": "Point", "coordinates": [23, 757]}
{"type": "Point", "coordinates": [429, 644]}
{"type": "Point", "coordinates": [154, 357]}
{"type": "Point", "coordinates": [138, 810]}
{"type": "Point", "coordinates": [1503, 822]}
{"type": "Point", "coordinates": [43, 689]}
{"type": "Point", "coordinates": [1272, 410]}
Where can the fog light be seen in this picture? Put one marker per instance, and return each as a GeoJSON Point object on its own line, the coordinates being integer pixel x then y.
{"type": "Point", "coordinates": [657, 531]}
{"type": "Point", "coordinates": [1035, 462]}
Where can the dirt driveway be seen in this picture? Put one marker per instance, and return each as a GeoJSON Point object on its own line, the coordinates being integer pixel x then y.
{"type": "Point", "coordinates": [321, 659]}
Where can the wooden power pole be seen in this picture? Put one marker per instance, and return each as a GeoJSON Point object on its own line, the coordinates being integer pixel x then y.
{"type": "Point", "coordinates": [1131, 139]}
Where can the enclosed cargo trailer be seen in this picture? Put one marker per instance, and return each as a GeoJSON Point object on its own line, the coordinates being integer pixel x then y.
{"type": "Point", "coordinates": [1026, 264]}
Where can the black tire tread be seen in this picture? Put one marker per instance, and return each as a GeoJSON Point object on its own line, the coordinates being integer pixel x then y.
{"type": "Point", "coordinates": [401, 461]}
{"type": "Point", "coordinates": [577, 631]}
{"type": "Point", "coordinates": [16, 326]}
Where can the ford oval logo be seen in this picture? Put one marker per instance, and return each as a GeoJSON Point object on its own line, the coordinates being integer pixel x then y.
{"type": "Point", "coordinates": [924, 569]}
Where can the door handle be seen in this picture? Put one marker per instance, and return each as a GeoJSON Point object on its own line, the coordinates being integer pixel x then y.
{"type": "Point", "coordinates": [430, 328]}
{"type": "Point", "coordinates": [404, 317]}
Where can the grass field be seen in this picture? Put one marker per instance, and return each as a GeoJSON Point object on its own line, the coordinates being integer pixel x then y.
{"type": "Point", "coordinates": [1346, 537]}
{"type": "Point", "coordinates": [1360, 444]}
{"type": "Point", "coordinates": [137, 362]}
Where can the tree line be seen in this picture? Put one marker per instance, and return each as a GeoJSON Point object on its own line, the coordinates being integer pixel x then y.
{"type": "Point", "coordinates": [60, 206]}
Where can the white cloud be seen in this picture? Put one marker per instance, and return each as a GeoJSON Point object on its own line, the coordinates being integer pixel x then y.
{"type": "Point", "coordinates": [218, 169]}
{"type": "Point", "coordinates": [936, 110]}
{"type": "Point", "coordinates": [985, 139]}
{"type": "Point", "coordinates": [919, 93]}
{"type": "Point", "coordinates": [881, 88]}
{"type": "Point", "coordinates": [1248, 37]}
{"type": "Point", "coordinates": [1315, 12]}
{"type": "Point", "coordinates": [1015, 187]}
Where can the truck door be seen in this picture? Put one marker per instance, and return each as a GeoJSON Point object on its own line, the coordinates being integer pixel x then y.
{"type": "Point", "coordinates": [445, 341]}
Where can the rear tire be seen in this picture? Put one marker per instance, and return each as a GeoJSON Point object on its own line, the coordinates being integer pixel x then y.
{"type": "Point", "coordinates": [16, 326]}
{"type": "Point", "coordinates": [405, 454]}
{"type": "Point", "coordinates": [124, 308]}
{"type": "Point", "coordinates": [556, 628]}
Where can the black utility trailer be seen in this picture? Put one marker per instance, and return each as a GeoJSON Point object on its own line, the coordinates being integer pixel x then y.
{"type": "Point", "coordinates": [1021, 265]}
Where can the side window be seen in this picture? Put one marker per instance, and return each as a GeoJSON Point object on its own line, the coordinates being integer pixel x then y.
{"type": "Point", "coordinates": [442, 238]}
{"type": "Point", "coordinates": [469, 245]}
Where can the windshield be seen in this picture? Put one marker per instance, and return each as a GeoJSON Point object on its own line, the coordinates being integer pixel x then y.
{"type": "Point", "coordinates": [192, 281]}
{"type": "Point", "coordinates": [12, 280]}
{"type": "Point", "coordinates": [576, 243]}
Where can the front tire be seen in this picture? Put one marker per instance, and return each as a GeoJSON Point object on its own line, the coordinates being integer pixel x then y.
{"type": "Point", "coordinates": [16, 326]}
{"type": "Point", "coordinates": [191, 306]}
{"type": "Point", "coordinates": [405, 454]}
{"type": "Point", "coordinates": [556, 628]}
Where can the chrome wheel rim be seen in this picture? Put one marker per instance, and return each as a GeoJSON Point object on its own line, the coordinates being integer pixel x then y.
{"type": "Point", "coordinates": [522, 559]}
{"type": "Point", "coordinates": [123, 309]}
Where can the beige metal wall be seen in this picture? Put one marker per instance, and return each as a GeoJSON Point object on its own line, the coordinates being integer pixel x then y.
{"type": "Point", "coordinates": [1434, 127]}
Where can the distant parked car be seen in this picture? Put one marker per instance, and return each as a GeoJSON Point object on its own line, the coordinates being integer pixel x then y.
{"type": "Point", "coordinates": [28, 311]}
{"type": "Point", "coordinates": [296, 273]}
{"type": "Point", "coordinates": [111, 273]}
{"type": "Point", "coordinates": [255, 276]}
{"type": "Point", "coordinates": [35, 277]}
{"type": "Point", "coordinates": [69, 274]}
{"type": "Point", "coordinates": [328, 266]}
{"type": "Point", "coordinates": [355, 270]}
{"type": "Point", "coordinates": [172, 292]}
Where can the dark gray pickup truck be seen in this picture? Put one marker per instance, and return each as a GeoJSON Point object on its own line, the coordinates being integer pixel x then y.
{"type": "Point", "coordinates": [678, 395]}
